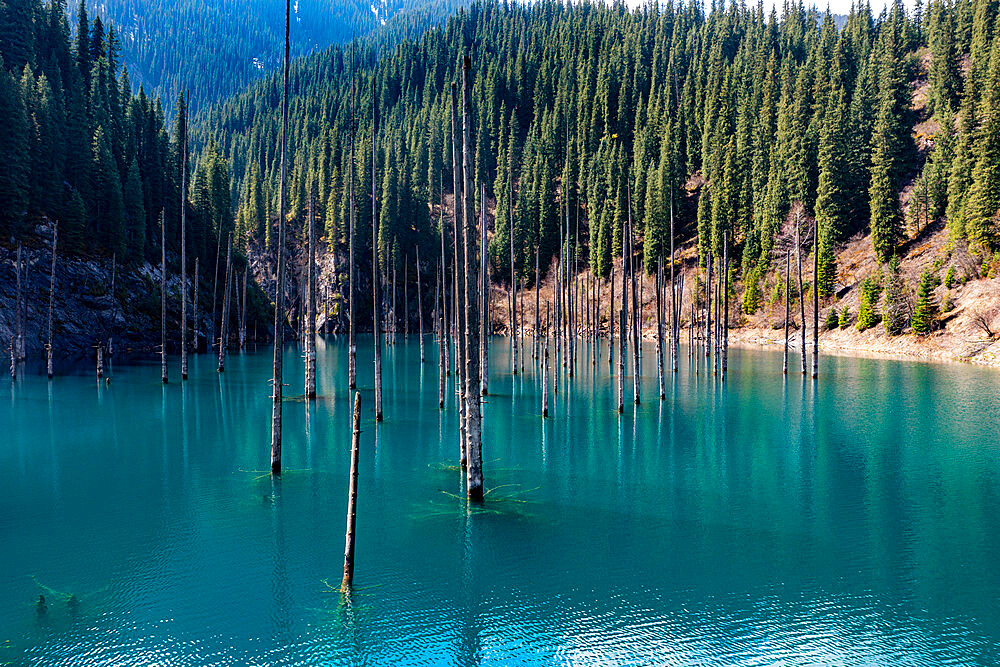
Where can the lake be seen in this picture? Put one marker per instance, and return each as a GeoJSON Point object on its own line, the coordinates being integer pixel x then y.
{"type": "Point", "coordinates": [853, 520]}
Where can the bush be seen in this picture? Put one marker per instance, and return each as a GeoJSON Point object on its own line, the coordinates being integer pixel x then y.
{"type": "Point", "coordinates": [845, 318]}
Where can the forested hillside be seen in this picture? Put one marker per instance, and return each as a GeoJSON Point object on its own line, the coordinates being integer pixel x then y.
{"type": "Point", "coordinates": [598, 112]}
{"type": "Point", "coordinates": [81, 149]}
{"type": "Point", "coordinates": [214, 49]}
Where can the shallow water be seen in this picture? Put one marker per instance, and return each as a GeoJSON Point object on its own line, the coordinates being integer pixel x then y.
{"type": "Point", "coordinates": [853, 521]}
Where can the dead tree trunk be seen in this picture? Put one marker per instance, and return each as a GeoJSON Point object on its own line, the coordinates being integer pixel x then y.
{"type": "Point", "coordinates": [442, 345]}
{"type": "Point", "coordinates": [420, 309]}
{"type": "Point", "coordinates": [311, 305]}
{"type": "Point", "coordinates": [224, 323]}
{"type": "Point", "coordinates": [788, 281]}
{"type": "Point", "coordinates": [659, 329]}
{"type": "Point", "coordinates": [19, 299]}
{"type": "Point", "coordinates": [484, 290]}
{"type": "Point", "coordinates": [279, 292]}
{"type": "Point", "coordinates": [611, 323]}
{"type": "Point", "coordinates": [636, 312]}
{"type": "Point", "coordinates": [545, 366]}
{"type": "Point", "coordinates": [183, 161]}
{"type": "Point", "coordinates": [473, 379]}
{"type": "Point", "coordinates": [802, 301]}
{"type": "Point", "coordinates": [461, 350]}
{"type": "Point", "coordinates": [194, 314]}
{"type": "Point", "coordinates": [445, 328]}
{"type": "Point", "coordinates": [538, 289]}
{"type": "Point", "coordinates": [352, 499]}
{"type": "Point", "coordinates": [725, 300]}
{"type": "Point", "coordinates": [376, 291]}
{"type": "Point", "coordinates": [52, 300]}
{"type": "Point", "coordinates": [243, 313]}
{"type": "Point", "coordinates": [352, 341]}
{"type": "Point", "coordinates": [708, 306]}
{"type": "Point", "coordinates": [815, 290]}
{"type": "Point", "coordinates": [163, 303]}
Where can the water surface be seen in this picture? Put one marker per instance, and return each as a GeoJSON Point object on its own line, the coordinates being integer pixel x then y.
{"type": "Point", "coordinates": [760, 521]}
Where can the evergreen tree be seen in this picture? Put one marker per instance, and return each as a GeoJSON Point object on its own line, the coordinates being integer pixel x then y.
{"type": "Point", "coordinates": [926, 309]}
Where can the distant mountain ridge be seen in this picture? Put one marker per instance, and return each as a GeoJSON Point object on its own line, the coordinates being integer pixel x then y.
{"type": "Point", "coordinates": [215, 49]}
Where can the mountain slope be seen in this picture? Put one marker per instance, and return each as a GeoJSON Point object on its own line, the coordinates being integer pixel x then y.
{"type": "Point", "coordinates": [214, 49]}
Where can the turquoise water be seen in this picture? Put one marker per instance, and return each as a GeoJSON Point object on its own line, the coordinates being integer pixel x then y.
{"type": "Point", "coordinates": [853, 521]}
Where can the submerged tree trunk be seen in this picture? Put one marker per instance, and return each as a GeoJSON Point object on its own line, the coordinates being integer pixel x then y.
{"type": "Point", "coordinates": [545, 366]}
{"type": "Point", "coordinates": [163, 302]}
{"type": "Point", "coordinates": [18, 309]}
{"type": "Point", "coordinates": [815, 290]}
{"type": "Point", "coordinates": [376, 291]}
{"type": "Point", "coordinates": [636, 311]}
{"type": "Point", "coordinates": [473, 379]}
{"type": "Point", "coordinates": [725, 300]}
{"type": "Point", "coordinates": [788, 281]}
{"type": "Point", "coordinates": [442, 320]}
{"type": "Point", "coordinates": [461, 350]}
{"type": "Point", "coordinates": [352, 498]}
{"type": "Point", "coordinates": [660, 362]}
{"type": "Point", "coordinates": [420, 310]}
{"type": "Point", "coordinates": [311, 306]}
{"type": "Point", "coordinates": [52, 299]}
{"type": "Point", "coordinates": [352, 341]}
{"type": "Point", "coordinates": [802, 301]}
{"type": "Point", "coordinates": [279, 292]}
{"type": "Point", "coordinates": [197, 331]}
{"type": "Point", "coordinates": [184, 350]}
{"type": "Point", "coordinates": [224, 323]}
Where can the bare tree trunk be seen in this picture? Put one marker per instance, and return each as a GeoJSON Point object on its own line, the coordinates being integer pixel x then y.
{"type": "Point", "coordinates": [194, 314]}
{"type": "Point", "coordinates": [788, 280]}
{"type": "Point", "coordinates": [376, 291]}
{"type": "Point", "coordinates": [352, 341]}
{"type": "Point", "coordinates": [659, 330]}
{"type": "Point", "coordinates": [100, 361]}
{"type": "Point", "coordinates": [445, 332]}
{"type": "Point", "coordinates": [725, 299]}
{"type": "Point", "coordinates": [611, 323]}
{"type": "Point", "coordinates": [243, 314]}
{"type": "Point", "coordinates": [636, 313]}
{"type": "Point", "coordinates": [311, 305]}
{"type": "Point", "coordinates": [352, 499]}
{"type": "Point", "coordinates": [163, 303]}
{"type": "Point", "coordinates": [52, 299]}
{"type": "Point", "coordinates": [184, 350]}
{"type": "Point", "coordinates": [708, 306]}
{"type": "Point", "coordinates": [114, 307]}
{"type": "Point", "coordinates": [675, 308]}
{"type": "Point", "coordinates": [473, 379]}
{"type": "Point", "coordinates": [802, 301]}
{"type": "Point", "coordinates": [538, 289]}
{"type": "Point", "coordinates": [484, 291]}
{"type": "Point", "coordinates": [406, 298]}
{"type": "Point", "coordinates": [279, 292]}
{"type": "Point", "coordinates": [815, 359]}
{"type": "Point", "coordinates": [19, 327]}
{"type": "Point", "coordinates": [224, 323]}
{"type": "Point", "coordinates": [420, 309]}
{"type": "Point", "coordinates": [442, 344]}
{"type": "Point", "coordinates": [460, 277]}
{"type": "Point", "coordinates": [545, 366]}
{"type": "Point", "coordinates": [513, 271]}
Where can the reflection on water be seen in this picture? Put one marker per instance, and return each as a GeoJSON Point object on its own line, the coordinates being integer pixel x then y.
{"type": "Point", "coordinates": [763, 521]}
